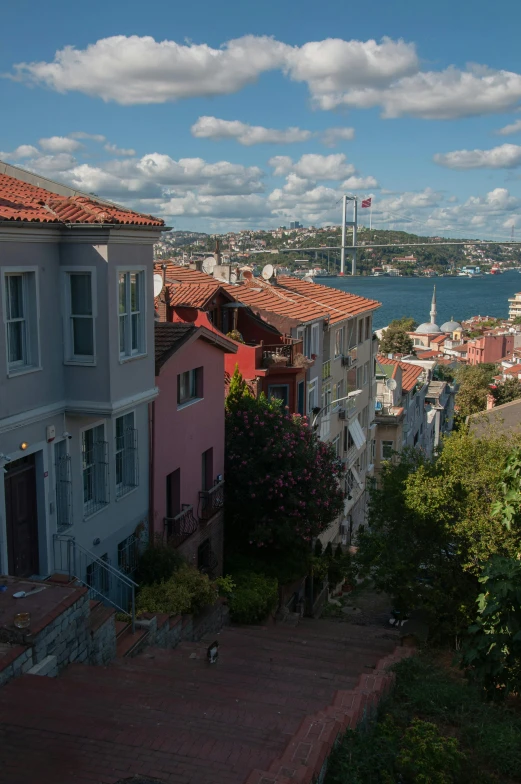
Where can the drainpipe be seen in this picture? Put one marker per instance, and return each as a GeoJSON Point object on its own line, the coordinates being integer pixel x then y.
{"type": "Point", "coordinates": [151, 456]}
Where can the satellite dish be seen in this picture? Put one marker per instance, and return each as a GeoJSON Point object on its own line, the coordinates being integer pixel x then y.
{"type": "Point", "coordinates": [247, 274]}
{"type": "Point", "coordinates": [158, 285]}
{"type": "Point", "coordinates": [208, 265]}
{"type": "Point", "coordinates": [391, 384]}
{"type": "Point", "coordinates": [267, 272]}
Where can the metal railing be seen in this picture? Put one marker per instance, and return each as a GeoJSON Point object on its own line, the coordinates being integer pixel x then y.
{"type": "Point", "coordinates": [103, 581]}
{"type": "Point", "coordinates": [181, 526]}
{"type": "Point", "coordinates": [288, 348]}
{"type": "Point", "coordinates": [211, 501]}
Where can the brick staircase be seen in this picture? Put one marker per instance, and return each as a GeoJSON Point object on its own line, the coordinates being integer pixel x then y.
{"type": "Point", "coordinates": [266, 713]}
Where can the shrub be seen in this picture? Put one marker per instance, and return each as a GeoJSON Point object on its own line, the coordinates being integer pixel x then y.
{"type": "Point", "coordinates": [225, 585]}
{"type": "Point", "coordinates": [427, 757]}
{"type": "Point", "coordinates": [158, 562]}
{"type": "Point", "coordinates": [254, 597]}
{"type": "Point", "coordinates": [187, 591]}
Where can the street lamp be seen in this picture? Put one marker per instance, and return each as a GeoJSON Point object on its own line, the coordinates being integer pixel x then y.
{"type": "Point", "coordinates": [318, 411]}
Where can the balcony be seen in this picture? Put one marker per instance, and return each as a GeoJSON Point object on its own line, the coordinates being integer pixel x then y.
{"type": "Point", "coordinates": [180, 527]}
{"type": "Point", "coordinates": [211, 501]}
{"type": "Point", "coordinates": [288, 353]}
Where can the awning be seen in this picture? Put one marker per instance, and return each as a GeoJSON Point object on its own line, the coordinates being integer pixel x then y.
{"type": "Point", "coordinates": [357, 434]}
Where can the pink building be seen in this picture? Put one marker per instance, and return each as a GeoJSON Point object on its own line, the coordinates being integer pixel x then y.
{"type": "Point", "coordinates": [489, 348]}
{"type": "Point", "coordinates": [187, 433]}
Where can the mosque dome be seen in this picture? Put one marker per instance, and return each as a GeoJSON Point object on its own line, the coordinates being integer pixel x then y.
{"type": "Point", "coordinates": [450, 326]}
{"type": "Point", "coordinates": [428, 329]}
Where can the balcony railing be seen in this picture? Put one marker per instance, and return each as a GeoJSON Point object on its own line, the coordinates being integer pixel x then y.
{"type": "Point", "coordinates": [180, 527]}
{"type": "Point", "coordinates": [283, 353]}
{"type": "Point", "coordinates": [211, 501]}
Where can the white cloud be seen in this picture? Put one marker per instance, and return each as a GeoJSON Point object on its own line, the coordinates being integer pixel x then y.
{"type": "Point", "coordinates": [225, 207]}
{"type": "Point", "coordinates": [506, 156]}
{"type": "Point", "coordinates": [95, 137]}
{"type": "Point", "coordinates": [214, 128]}
{"type": "Point", "coordinates": [363, 74]}
{"type": "Point", "coordinates": [23, 151]}
{"type": "Point", "coordinates": [360, 183]}
{"type": "Point", "coordinates": [52, 164]}
{"type": "Point", "coordinates": [331, 136]}
{"type": "Point", "coordinates": [56, 144]}
{"type": "Point", "coordinates": [313, 166]}
{"type": "Point", "coordinates": [112, 148]}
{"type": "Point", "coordinates": [140, 70]}
{"type": "Point", "coordinates": [514, 127]}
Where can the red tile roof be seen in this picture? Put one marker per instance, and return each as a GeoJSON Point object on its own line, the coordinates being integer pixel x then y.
{"type": "Point", "coordinates": [338, 304]}
{"type": "Point", "coordinates": [427, 354]}
{"type": "Point", "coordinates": [21, 201]}
{"type": "Point", "coordinates": [194, 295]}
{"type": "Point", "coordinates": [410, 373]}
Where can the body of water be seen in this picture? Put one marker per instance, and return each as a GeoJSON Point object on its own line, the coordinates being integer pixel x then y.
{"type": "Point", "coordinates": [458, 297]}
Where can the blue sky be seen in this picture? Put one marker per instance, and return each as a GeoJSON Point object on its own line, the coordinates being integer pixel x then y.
{"type": "Point", "coordinates": [415, 92]}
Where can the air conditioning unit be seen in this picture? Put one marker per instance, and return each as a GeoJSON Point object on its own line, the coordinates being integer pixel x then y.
{"type": "Point", "coordinates": [341, 413]}
{"type": "Point", "coordinates": [347, 361]}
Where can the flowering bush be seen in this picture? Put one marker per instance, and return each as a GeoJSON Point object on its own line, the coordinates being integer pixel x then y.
{"type": "Point", "coordinates": [282, 482]}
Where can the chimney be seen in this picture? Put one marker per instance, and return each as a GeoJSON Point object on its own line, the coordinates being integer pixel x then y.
{"type": "Point", "coordinates": [491, 402]}
{"type": "Point", "coordinates": [217, 253]}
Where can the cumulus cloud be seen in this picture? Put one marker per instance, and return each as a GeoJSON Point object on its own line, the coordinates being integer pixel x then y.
{"type": "Point", "coordinates": [115, 150]}
{"type": "Point", "coordinates": [95, 137]}
{"type": "Point", "coordinates": [360, 183]}
{"type": "Point", "coordinates": [57, 144]}
{"type": "Point", "coordinates": [214, 128]}
{"type": "Point", "coordinates": [514, 127]}
{"type": "Point", "coordinates": [506, 156]}
{"type": "Point", "coordinates": [338, 73]}
{"type": "Point", "coordinates": [313, 166]}
{"type": "Point", "coordinates": [331, 136]}
{"type": "Point", "coordinates": [23, 151]}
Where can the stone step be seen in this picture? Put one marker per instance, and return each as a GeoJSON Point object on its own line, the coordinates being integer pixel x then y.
{"type": "Point", "coordinates": [99, 615]}
{"type": "Point", "coordinates": [129, 643]}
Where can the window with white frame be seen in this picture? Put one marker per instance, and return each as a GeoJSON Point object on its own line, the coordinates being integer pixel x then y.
{"type": "Point", "coordinates": [62, 469]}
{"type": "Point", "coordinates": [315, 338]}
{"type": "Point", "coordinates": [79, 340]}
{"type": "Point", "coordinates": [189, 386]}
{"type": "Point", "coordinates": [21, 321]}
{"type": "Point", "coordinates": [387, 450]}
{"type": "Point", "coordinates": [131, 295]}
{"type": "Point", "coordinates": [125, 454]}
{"type": "Point", "coordinates": [339, 342]}
{"type": "Point", "coordinates": [95, 469]}
{"type": "Point", "coordinates": [312, 396]}
{"type": "Point", "coordinates": [337, 445]}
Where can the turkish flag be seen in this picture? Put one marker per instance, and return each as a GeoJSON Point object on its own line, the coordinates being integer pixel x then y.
{"type": "Point", "coordinates": [366, 202]}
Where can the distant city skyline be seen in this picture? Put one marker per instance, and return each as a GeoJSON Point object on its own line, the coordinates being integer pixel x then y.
{"type": "Point", "coordinates": [222, 117]}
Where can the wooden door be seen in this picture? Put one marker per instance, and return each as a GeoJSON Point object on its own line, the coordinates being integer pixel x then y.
{"type": "Point", "coordinates": [21, 518]}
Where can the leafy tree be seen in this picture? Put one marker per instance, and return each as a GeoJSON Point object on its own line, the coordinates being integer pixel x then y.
{"type": "Point", "coordinates": [431, 526]}
{"type": "Point", "coordinates": [395, 340]}
{"type": "Point", "coordinates": [405, 322]}
{"type": "Point", "coordinates": [444, 373]}
{"type": "Point", "coordinates": [474, 386]}
{"type": "Point", "coordinates": [507, 391]}
{"type": "Point", "coordinates": [282, 483]}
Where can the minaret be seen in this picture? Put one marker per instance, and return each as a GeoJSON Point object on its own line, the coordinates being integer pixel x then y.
{"type": "Point", "coordinates": [433, 307]}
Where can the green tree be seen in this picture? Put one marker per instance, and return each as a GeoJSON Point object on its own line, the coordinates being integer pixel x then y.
{"type": "Point", "coordinates": [507, 391]}
{"type": "Point", "coordinates": [395, 340]}
{"type": "Point", "coordinates": [282, 483]}
{"type": "Point", "coordinates": [474, 386]}
{"type": "Point", "coordinates": [405, 322]}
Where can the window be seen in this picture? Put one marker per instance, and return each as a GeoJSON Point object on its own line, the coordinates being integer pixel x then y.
{"type": "Point", "coordinates": [98, 575]}
{"type": "Point", "coordinates": [360, 330]}
{"type": "Point", "coordinates": [367, 327]}
{"type": "Point", "coordinates": [173, 493]}
{"type": "Point", "coordinates": [364, 416]}
{"type": "Point", "coordinates": [279, 392]}
{"type": "Point", "coordinates": [95, 469]}
{"type": "Point", "coordinates": [79, 341]}
{"type": "Point", "coordinates": [21, 320]}
{"type": "Point", "coordinates": [312, 396]}
{"type": "Point", "coordinates": [126, 455]}
{"type": "Point", "coordinates": [387, 450]}
{"type": "Point", "coordinates": [207, 469]}
{"type": "Point", "coordinates": [339, 342]}
{"type": "Point", "coordinates": [62, 469]}
{"type": "Point", "coordinates": [189, 386]}
{"type": "Point", "coordinates": [300, 398]}
{"type": "Point", "coordinates": [336, 445]}
{"type": "Point", "coordinates": [128, 554]}
{"type": "Point", "coordinates": [359, 377]}
{"type": "Point", "coordinates": [315, 336]}
{"type": "Point", "coordinates": [131, 314]}
{"type": "Point", "coordinates": [351, 333]}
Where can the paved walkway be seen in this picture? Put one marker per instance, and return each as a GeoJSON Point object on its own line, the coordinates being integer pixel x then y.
{"type": "Point", "coordinates": [170, 716]}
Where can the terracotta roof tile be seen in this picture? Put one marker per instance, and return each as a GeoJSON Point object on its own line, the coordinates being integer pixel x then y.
{"type": "Point", "coordinates": [21, 201]}
{"type": "Point", "coordinates": [410, 373]}
{"type": "Point", "coordinates": [194, 295]}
